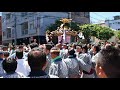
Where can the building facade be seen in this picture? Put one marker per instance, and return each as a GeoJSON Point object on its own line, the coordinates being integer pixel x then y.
{"type": "Point", "coordinates": [21, 27]}
{"type": "Point", "coordinates": [0, 30]}
{"type": "Point", "coordinates": [114, 24]}
{"type": "Point", "coordinates": [81, 17]}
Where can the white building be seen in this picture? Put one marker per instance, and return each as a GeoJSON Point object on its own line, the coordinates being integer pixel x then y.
{"type": "Point", "coordinates": [19, 27]}
{"type": "Point", "coordinates": [114, 24]}
{"type": "Point", "coordinates": [23, 25]}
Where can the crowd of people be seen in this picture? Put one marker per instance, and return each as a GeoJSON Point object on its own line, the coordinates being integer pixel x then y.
{"type": "Point", "coordinates": [60, 61]}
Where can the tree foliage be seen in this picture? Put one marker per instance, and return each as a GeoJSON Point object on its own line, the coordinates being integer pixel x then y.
{"type": "Point", "coordinates": [52, 27]}
{"type": "Point", "coordinates": [74, 26]}
{"type": "Point", "coordinates": [88, 30]}
{"type": "Point", "coordinates": [100, 32]}
{"type": "Point", "coordinates": [105, 33]}
{"type": "Point", "coordinates": [117, 34]}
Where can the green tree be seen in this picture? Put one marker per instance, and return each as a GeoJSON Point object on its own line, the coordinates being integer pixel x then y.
{"type": "Point", "coordinates": [102, 33]}
{"type": "Point", "coordinates": [105, 33]}
{"type": "Point", "coordinates": [117, 34]}
{"type": "Point", "coordinates": [74, 26]}
{"type": "Point", "coordinates": [88, 30]}
{"type": "Point", "coordinates": [52, 27]}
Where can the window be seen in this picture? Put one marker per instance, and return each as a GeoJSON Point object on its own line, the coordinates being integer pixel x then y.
{"type": "Point", "coordinates": [32, 13]}
{"type": "Point", "coordinates": [24, 28]}
{"type": "Point", "coordinates": [8, 16]}
{"type": "Point", "coordinates": [23, 14]}
{"type": "Point", "coordinates": [13, 32]}
{"type": "Point", "coordinates": [77, 13]}
{"type": "Point", "coordinates": [13, 15]}
{"type": "Point", "coordinates": [4, 34]}
{"type": "Point", "coordinates": [31, 25]}
{"type": "Point", "coordinates": [8, 32]}
{"type": "Point", "coordinates": [3, 20]}
{"type": "Point", "coordinates": [110, 24]}
{"type": "Point", "coordinates": [38, 21]}
{"type": "Point", "coordinates": [86, 14]}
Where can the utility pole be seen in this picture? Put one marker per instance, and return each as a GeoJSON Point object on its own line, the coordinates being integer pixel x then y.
{"type": "Point", "coordinates": [69, 15]}
{"type": "Point", "coordinates": [15, 41]}
{"type": "Point", "coordinates": [38, 28]}
{"type": "Point", "coordinates": [108, 22]}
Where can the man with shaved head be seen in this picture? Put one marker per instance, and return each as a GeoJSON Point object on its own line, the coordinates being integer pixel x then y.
{"type": "Point", "coordinates": [37, 63]}
{"type": "Point", "coordinates": [58, 66]}
{"type": "Point", "coordinates": [108, 63]}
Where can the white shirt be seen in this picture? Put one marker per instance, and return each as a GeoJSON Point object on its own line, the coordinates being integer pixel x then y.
{"type": "Point", "coordinates": [14, 55]}
{"type": "Point", "coordinates": [85, 62]}
{"type": "Point", "coordinates": [14, 75]}
{"type": "Point", "coordinates": [23, 67]}
{"type": "Point", "coordinates": [94, 58]}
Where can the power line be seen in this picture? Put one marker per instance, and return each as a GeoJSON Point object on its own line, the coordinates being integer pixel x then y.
{"type": "Point", "coordinates": [93, 22]}
{"type": "Point", "coordinates": [95, 19]}
{"type": "Point", "coordinates": [99, 15]}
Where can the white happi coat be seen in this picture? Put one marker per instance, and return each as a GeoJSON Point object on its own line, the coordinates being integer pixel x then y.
{"type": "Point", "coordinates": [2, 72]}
{"type": "Point", "coordinates": [86, 65]}
{"type": "Point", "coordinates": [58, 68]}
{"type": "Point", "coordinates": [73, 67]}
{"type": "Point", "coordinates": [48, 57]}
